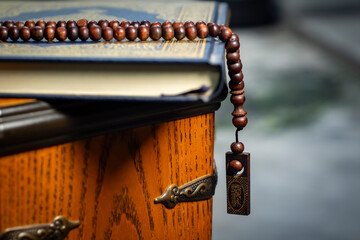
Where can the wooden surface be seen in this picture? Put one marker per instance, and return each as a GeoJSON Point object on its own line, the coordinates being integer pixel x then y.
{"type": "Point", "coordinates": [109, 182]}
{"type": "Point", "coordinates": [5, 102]}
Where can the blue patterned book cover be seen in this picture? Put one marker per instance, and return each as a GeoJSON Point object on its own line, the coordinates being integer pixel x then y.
{"type": "Point", "coordinates": [198, 52]}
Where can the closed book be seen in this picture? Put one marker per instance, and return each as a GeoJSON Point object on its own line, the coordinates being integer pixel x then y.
{"type": "Point", "coordinates": [119, 70]}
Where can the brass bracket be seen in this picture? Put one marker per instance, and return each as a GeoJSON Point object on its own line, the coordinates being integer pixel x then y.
{"type": "Point", "coordinates": [58, 229]}
{"type": "Point", "coordinates": [202, 188]}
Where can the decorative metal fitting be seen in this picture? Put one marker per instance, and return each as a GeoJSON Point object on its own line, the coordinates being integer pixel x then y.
{"type": "Point", "coordinates": [58, 229]}
{"type": "Point", "coordinates": [202, 188]}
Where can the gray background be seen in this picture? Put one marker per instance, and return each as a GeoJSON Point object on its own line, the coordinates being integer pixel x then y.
{"type": "Point", "coordinates": [303, 102]}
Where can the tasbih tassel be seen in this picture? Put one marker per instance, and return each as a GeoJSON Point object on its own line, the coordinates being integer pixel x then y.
{"type": "Point", "coordinates": [237, 162]}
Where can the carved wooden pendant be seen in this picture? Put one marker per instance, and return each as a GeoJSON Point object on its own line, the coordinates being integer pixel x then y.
{"type": "Point", "coordinates": [238, 183]}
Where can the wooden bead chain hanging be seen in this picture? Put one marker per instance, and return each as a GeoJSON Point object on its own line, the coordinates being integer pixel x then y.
{"type": "Point", "coordinates": [82, 29]}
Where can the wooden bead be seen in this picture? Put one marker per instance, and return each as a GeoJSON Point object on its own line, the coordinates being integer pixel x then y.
{"type": "Point", "coordinates": [239, 111]}
{"type": "Point", "coordinates": [237, 92]}
{"type": "Point", "coordinates": [103, 23]}
{"type": "Point", "coordinates": [30, 24]}
{"type": "Point", "coordinates": [222, 26]}
{"type": "Point", "coordinates": [73, 33]}
{"type": "Point", "coordinates": [225, 34]}
{"type": "Point", "coordinates": [143, 32]}
{"type": "Point", "coordinates": [235, 166]}
{"type": "Point", "coordinates": [8, 24]}
{"type": "Point", "coordinates": [166, 24]}
{"type": "Point", "coordinates": [95, 32]}
{"type": "Point", "coordinates": [155, 24]}
{"type": "Point", "coordinates": [232, 45]}
{"type": "Point", "coordinates": [214, 30]}
{"type": "Point", "coordinates": [82, 23]}
{"type": "Point", "coordinates": [61, 24]}
{"type": "Point", "coordinates": [233, 37]}
{"type": "Point", "coordinates": [180, 32]}
{"type": "Point", "coordinates": [237, 77]}
{"type": "Point", "coordinates": [168, 32]}
{"type": "Point", "coordinates": [136, 24]}
{"type": "Point", "coordinates": [191, 32]}
{"type": "Point", "coordinates": [14, 33]}
{"type": "Point", "coordinates": [189, 23]}
{"type": "Point", "coordinates": [19, 24]}
{"type": "Point", "coordinates": [177, 24]}
{"type": "Point", "coordinates": [49, 33]}
{"type": "Point", "coordinates": [125, 24]}
{"type": "Point", "coordinates": [202, 30]}
{"type": "Point", "coordinates": [25, 34]}
{"type": "Point", "coordinates": [234, 68]}
{"type": "Point", "coordinates": [199, 23]}
{"type": "Point", "coordinates": [114, 24]}
{"type": "Point", "coordinates": [235, 53]}
{"type": "Point", "coordinates": [232, 57]}
{"type": "Point", "coordinates": [92, 23]}
{"type": "Point", "coordinates": [61, 34]}
{"type": "Point", "coordinates": [84, 33]}
{"type": "Point", "coordinates": [41, 24]}
{"type": "Point", "coordinates": [37, 33]}
{"type": "Point", "coordinates": [155, 32]}
{"type": "Point", "coordinates": [119, 33]}
{"type": "Point", "coordinates": [131, 33]}
{"type": "Point", "coordinates": [240, 122]}
{"type": "Point", "coordinates": [51, 24]}
{"type": "Point", "coordinates": [237, 147]}
{"type": "Point", "coordinates": [235, 86]}
{"type": "Point", "coordinates": [70, 24]}
{"type": "Point", "coordinates": [108, 33]}
{"type": "Point", "coordinates": [237, 99]}
{"type": "Point", "coordinates": [4, 34]}
{"type": "Point", "coordinates": [234, 62]}
{"type": "Point", "coordinates": [145, 23]}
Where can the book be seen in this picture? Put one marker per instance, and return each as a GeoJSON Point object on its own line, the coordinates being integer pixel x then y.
{"type": "Point", "coordinates": [139, 70]}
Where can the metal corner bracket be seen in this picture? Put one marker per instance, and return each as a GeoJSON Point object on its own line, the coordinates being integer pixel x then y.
{"type": "Point", "coordinates": [202, 188]}
{"type": "Point", "coordinates": [58, 229]}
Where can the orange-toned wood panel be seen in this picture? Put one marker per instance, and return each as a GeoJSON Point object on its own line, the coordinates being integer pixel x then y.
{"type": "Point", "coordinates": [109, 182]}
{"type": "Point", "coordinates": [4, 102]}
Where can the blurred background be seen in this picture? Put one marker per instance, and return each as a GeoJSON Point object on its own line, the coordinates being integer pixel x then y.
{"type": "Point", "coordinates": [302, 74]}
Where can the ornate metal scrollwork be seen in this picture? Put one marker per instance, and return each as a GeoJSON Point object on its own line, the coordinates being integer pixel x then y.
{"type": "Point", "coordinates": [58, 229]}
{"type": "Point", "coordinates": [202, 188]}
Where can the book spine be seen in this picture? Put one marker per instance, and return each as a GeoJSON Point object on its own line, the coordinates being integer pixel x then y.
{"type": "Point", "coordinates": [217, 52]}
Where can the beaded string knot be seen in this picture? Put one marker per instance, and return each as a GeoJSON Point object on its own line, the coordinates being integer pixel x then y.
{"type": "Point", "coordinates": [103, 29]}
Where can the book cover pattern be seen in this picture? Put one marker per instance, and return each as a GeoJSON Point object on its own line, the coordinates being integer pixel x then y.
{"type": "Point", "coordinates": [137, 51]}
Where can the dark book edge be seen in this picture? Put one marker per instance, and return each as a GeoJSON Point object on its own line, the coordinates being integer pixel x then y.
{"type": "Point", "coordinates": [67, 122]}
{"type": "Point", "coordinates": [217, 54]}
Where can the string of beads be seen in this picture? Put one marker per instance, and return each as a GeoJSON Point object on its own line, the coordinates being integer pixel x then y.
{"type": "Point", "coordinates": [103, 29]}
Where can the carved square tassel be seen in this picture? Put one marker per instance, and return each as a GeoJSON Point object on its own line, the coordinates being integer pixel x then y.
{"type": "Point", "coordinates": [238, 183]}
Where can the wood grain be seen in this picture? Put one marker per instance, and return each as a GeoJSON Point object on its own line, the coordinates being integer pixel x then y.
{"type": "Point", "coordinates": [5, 102]}
{"type": "Point", "coordinates": [109, 182]}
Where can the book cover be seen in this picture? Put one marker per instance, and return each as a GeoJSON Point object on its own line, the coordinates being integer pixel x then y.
{"type": "Point", "coordinates": [23, 63]}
